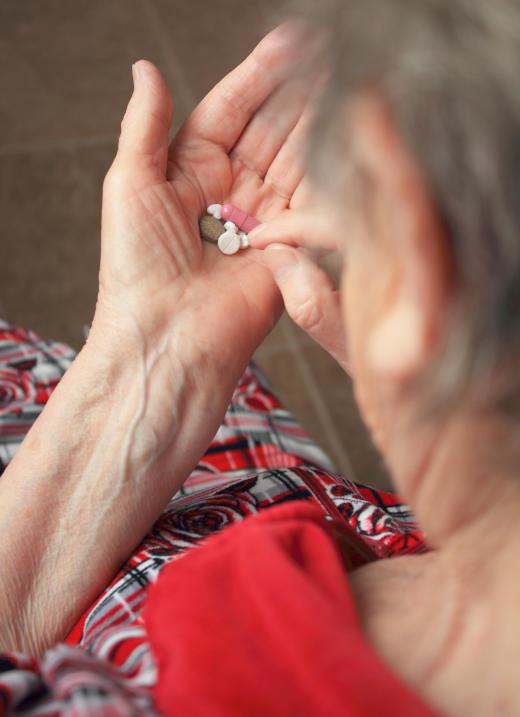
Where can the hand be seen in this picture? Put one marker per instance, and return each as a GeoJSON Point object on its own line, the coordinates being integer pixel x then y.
{"type": "Point", "coordinates": [174, 325]}
{"type": "Point", "coordinates": [292, 242]}
{"type": "Point", "coordinates": [159, 283]}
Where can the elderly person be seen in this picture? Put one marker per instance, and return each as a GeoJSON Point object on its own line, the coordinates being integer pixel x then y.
{"type": "Point", "coordinates": [333, 602]}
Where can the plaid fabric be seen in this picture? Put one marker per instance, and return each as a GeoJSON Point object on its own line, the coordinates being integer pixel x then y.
{"type": "Point", "coordinates": [260, 457]}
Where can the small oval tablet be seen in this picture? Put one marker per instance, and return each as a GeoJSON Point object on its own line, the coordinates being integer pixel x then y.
{"type": "Point", "coordinates": [229, 243]}
{"type": "Point", "coordinates": [215, 210]}
{"type": "Point", "coordinates": [211, 228]}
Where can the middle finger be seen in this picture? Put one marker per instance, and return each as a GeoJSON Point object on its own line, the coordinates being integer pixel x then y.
{"type": "Point", "coordinates": [270, 127]}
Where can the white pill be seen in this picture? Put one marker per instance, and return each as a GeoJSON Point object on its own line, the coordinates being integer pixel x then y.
{"type": "Point", "coordinates": [215, 210]}
{"type": "Point", "coordinates": [244, 240]}
{"type": "Point", "coordinates": [229, 243]}
{"type": "Point", "coordinates": [230, 226]}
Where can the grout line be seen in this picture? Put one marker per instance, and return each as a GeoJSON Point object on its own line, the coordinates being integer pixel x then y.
{"type": "Point", "coordinates": [47, 145]}
{"type": "Point", "coordinates": [182, 89]}
{"type": "Point", "coordinates": [317, 399]}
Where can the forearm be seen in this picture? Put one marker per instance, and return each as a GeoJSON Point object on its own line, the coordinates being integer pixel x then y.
{"type": "Point", "coordinates": [114, 443]}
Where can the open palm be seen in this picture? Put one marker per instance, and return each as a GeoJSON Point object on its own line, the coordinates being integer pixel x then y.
{"type": "Point", "coordinates": [242, 144]}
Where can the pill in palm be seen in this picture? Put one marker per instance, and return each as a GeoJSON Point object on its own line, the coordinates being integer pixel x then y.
{"type": "Point", "coordinates": [211, 229]}
{"type": "Point", "coordinates": [215, 210]}
{"type": "Point", "coordinates": [229, 234]}
{"type": "Point", "coordinates": [244, 222]}
{"type": "Point", "coordinates": [229, 242]}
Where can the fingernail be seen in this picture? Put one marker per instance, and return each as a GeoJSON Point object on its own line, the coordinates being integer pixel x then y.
{"type": "Point", "coordinates": [255, 232]}
{"type": "Point", "coordinates": [135, 74]}
{"type": "Point", "coordinates": [279, 247]}
{"type": "Point", "coordinates": [139, 70]}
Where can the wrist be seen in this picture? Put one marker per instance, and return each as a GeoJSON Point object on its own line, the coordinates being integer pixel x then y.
{"type": "Point", "coordinates": [169, 387]}
{"type": "Point", "coordinates": [191, 339]}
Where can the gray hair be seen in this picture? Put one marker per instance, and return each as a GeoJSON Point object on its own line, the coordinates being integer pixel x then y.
{"type": "Point", "coordinates": [450, 73]}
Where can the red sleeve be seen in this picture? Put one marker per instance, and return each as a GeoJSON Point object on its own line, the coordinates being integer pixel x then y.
{"type": "Point", "coordinates": [260, 621]}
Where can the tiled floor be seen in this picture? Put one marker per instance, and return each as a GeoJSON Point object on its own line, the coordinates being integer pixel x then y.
{"type": "Point", "coordinates": [64, 84]}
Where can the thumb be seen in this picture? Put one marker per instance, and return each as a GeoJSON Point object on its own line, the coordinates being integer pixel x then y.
{"type": "Point", "coordinates": [310, 297]}
{"type": "Point", "coordinates": [143, 144]}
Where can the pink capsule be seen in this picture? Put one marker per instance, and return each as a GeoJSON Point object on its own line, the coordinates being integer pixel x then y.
{"type": "Point", "coordinates": [245, 222]}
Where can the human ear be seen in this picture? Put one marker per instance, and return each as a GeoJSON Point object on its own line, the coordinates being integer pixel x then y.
{"type": "Point", "coordinates": [406, 329]}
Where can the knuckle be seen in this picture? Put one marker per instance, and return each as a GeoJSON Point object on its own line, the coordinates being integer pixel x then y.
{"type": "Point", "coordinates": [114, 178]}
{"type": "Point", "coordinates": [309, 315]}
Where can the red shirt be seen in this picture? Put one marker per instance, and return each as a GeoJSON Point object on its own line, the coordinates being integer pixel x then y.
{"type": "Point", "coordinates": [259, 620]}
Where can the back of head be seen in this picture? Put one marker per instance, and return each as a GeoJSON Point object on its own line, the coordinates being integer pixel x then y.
{"type": "Point", "coordinates": [448, 70]}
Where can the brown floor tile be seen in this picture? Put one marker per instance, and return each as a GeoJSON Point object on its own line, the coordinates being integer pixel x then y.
{"type": "Point", "coordinates": [276, 341]}
{"type": "Point", "coordinates": [210, 38]}
{"type": "Point", "coordinates": [66, 67]}
{"type": "Point", "coordinates": [337, 392]}
{"type": "Point", "coordinates": [50, 209]}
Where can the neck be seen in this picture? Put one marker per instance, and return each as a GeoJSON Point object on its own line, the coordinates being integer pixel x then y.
{"type": "Point", "coordinates": [459, 477]}
{"type": "Point", "coordinates": [460, 481]}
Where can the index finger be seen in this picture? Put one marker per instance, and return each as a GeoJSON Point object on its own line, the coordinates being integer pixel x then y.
{"type": "Point", "coordinates": [224, 113]}
{"type": "Point", "coordinates": [304, 228]}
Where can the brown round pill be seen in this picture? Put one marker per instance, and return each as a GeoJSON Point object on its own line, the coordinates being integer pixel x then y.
{"type": "Point", "coordinates": [211, 229]}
